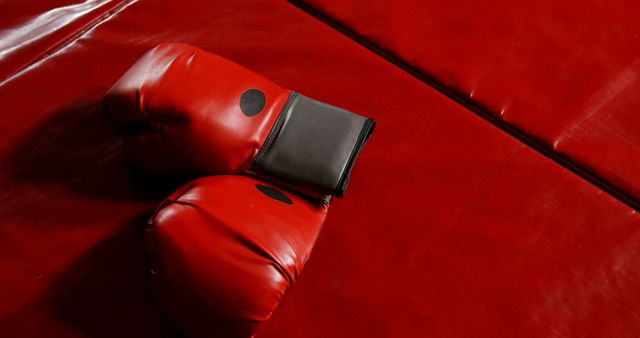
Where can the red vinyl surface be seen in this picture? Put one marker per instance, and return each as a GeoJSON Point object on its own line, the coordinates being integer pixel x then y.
{"type": "Point", "coordinates": [450, 227]}
{"type": "Point", "coordinates": [32, 29]}
{"type": "Point", "coordinates": [565, 73]}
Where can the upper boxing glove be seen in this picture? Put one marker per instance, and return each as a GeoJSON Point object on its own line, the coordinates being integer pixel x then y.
{"type": "Point", "coordinates": [182, 109]}
{"type": "Point", "coordinates": [224, 251]}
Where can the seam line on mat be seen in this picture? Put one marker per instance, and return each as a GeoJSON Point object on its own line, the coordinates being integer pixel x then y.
{"type": "Point", "coordinates": [472, 105]}
{"type": "Point", "coordinates": [67, 40]}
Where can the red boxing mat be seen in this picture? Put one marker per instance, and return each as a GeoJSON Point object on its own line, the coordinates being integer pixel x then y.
{"type": "Point", "coordinates": [450, 227]}
{"type": "Point", "coordinates": [562, 74]}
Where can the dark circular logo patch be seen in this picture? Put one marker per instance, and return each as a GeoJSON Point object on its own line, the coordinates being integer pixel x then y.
{"type": "Point", "coordinates": [274, 193]}
{"type": "Point", "coordinates": [252, 102]}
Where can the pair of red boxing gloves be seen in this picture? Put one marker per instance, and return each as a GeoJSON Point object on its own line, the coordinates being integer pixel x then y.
{"type": "Point", "coordinates": [225, 248]}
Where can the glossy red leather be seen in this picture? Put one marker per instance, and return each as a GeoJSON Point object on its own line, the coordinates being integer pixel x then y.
{"type": "Point", "coordinates": [451, 228]}
{"type": "Point", "coordinates": [224, 253]}
{"type": "Point", "coordinates": [563, 72]}
{"type": "Point", "coordinates": [178, 110]}
{"type": "Point", "coordinates": [32, 29]}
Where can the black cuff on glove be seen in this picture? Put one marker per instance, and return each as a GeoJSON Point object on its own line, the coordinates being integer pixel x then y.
{"type": "Point", "coordinates": [314, 146]}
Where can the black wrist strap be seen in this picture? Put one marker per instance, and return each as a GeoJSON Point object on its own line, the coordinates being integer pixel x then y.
{"type": "Point", "coordinates": [313, 146]}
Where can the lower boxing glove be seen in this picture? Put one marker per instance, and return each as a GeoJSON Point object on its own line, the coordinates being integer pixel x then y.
{"type": "Point", "coordinates": [224, 251]}
{"type": "Point", "coordinates": [184, 110]}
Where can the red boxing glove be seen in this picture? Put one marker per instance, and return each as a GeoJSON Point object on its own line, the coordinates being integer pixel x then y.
{"type": "Point", "coordinates": [183, 110]}
{"type": "Point", "coordinates": [224, 251]}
